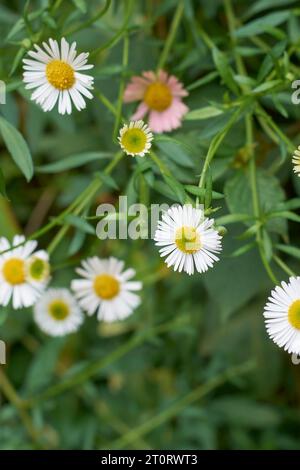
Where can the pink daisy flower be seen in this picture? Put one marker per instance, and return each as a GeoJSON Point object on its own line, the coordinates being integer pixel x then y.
{"type": "Point", "coordinates": [161, 97]}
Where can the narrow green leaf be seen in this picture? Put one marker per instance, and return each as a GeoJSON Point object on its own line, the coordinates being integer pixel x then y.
{"type": "Point", "coordinates": [80, 223]}
{"type": "Point", "coordinates": [203, 113]}
{"type": "Point", "coordinates": [259, 25]}
{"type": "Point", "coordinates": [73, 161]}
{"type": "Point", "coordinates": [224, 69]}
{"type": "Point", "coordinates": [196, 191]}
{"type": "Point", "coordinates": [2, 185]}
{"type": "Point", "coordinates": [243, 249]}
{"type": "Point", "coordinates": [290, 250]}
{"type": "Point", "coordinates": [17, 147]}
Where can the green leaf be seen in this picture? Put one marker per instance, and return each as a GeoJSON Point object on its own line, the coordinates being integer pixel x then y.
{"type": "Point", "coordinates": [176, 187]}
{"type": "Point", "coordinates": [2, 185]}
{"type": "Point", "coordinates": [233, 218]}
{"type": "Point", "coordinates": [196, 191]}
{"type": "Point", "coordinates": [107, 180]}
{"type": "Point", "coordinates": [259, 25]}
{"type": "Point", "coordinates": [243, 249]}
{"type": "Point", "coordinates": [3, 315]}
{"type": "Point", "coordinates": [17, 147]}
{"type": "Point", "coordinates": [267, 86]}
{"type": "Point", "coordinates": [73, 161]}
{"type": "Point", "coordinates": [80, 223]}
{"type": "Point", "coordinates": [43, 364]}
{"type": "Point", "coordinates": [225, 70]}
{"type": "Point", "coordinates": [81, 5]}
{"type": "Point", "coordinates": [176, 150]}
{"type": "Point", "coordinates": [238, 196]}
{"type": "Point", "coordinates": [289, 250]}
{"type": "Point", "coordinates": [203, 113]}
{"type": "Point", "coordinates": [285, 215]}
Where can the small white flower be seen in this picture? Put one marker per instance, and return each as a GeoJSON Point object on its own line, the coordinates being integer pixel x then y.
{"type": "Point", "coordinates": [15, 280]}
{"type": "Point", "coordinates": [188, 239]}
{"type": "Point", "coordinates": [37, 268]}
{"type": "Point", "coordinates": [135, 139]}
{"type": "Point", "coordinates": [106, 289]}
{"type": "Point", "coordinates": [296, 161]}
{"type": "Point", "coordinates": [282, 314]}
{"type": "Point", "coordinates": [57, 313]}
{"type": "Point", "coordinates": [55, 72]}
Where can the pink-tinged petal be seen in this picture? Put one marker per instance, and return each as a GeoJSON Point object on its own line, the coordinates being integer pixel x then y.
{"type": "Point", "coordinates": [162, 76]}
{"type": "Point", "coordinates": [178, 108]}
{"type": "Point", "coordinates": [134, 92]}
{"type": "Point", "coordinates": [169, 119]}
{"type": "Point", "coordinates": [176, 87]}
{"type": "Point", "coordinates": [140, 112]}
{"type": "Point", "coordinates": [155, 122]}
{"type": "Point", "coordinates": [150, 76]}
{"type": "Point", "coordinates": [140, 81]}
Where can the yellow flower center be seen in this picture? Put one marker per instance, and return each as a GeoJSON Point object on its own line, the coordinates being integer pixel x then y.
{"type": "Point", "coordinates": [38, 269]}
{"type": "Point", "coordinates": [158, 96]}
{"type": "Point", "coordinates": [13, 271]}
{"type": "Point", "coordinates": [58, 310]}
{"type": "Point", "coordinates": [187, 240]}
{"type": "Point", "coordinates": [106, 286]}
{"type": "Point", "coordinates": [60, 74]}
{"type": "Point", "coordinates": [294, 314]}
{"type": "Point", "coordinates": [134, 140]}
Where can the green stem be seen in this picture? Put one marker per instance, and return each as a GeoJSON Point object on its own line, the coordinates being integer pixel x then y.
{"type": "Point", "coordinates": [95, 367]}
{"type": "Point", "coordinates": [160, 164]}
{"type": "Point", "coordinates": [122, 87]}
{"type": "Point", "coordinates": [106, 103]}
{"type": "Point", "coordinates": [115, 39]}
{"type": "Point", "coordinates": [91, 21]}
{"type": "Point", "coordinates": [284, 266]}
{"type": "Point", "coordinates": [249, 142]}
{"type": "Point", "coordinates": [171, 36]}
{"type": "Point", "coordinates": [88, 195]}
{"type": "Point", "coordinates": [11, 395]}
{"type": "Point", "coordinates": [176, 408]}
{"type": "Point", "coordinates": [216, 142]}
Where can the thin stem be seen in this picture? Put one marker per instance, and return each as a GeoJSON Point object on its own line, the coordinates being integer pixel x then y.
{"type": "Point", "coordinates": [89, 194]}
{"type": "Point", "coordinates": [115, 39]}
{"type": "Point", "coordinates": [11, 395]}
{"type": "Point", "coordinates": [106, 103]}
{"type": "Point", "coordinates": [171, 36]}
{"type": "Point", "coordinates": [249, 142]}
{"type": "Point", "coordinates": [122, 87]}
{"type": "Point", "coordinates": [91, 21]}
{"type": "Point", "coordinates": [95, 367]}
{"type": "Point", "coordinates": [176, 408]}
{"type": "Point", "coordinates": [284, 266]}
{"type": "Point", "coordinates": [160, 164]}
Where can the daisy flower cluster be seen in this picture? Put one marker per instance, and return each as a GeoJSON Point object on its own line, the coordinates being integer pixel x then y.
{"type": "Point", "coordinates": [187, 240]}
{"type": "Point", "coordinates": [105, 288]}
{"type": "Point", "coordinates": [24, 272]}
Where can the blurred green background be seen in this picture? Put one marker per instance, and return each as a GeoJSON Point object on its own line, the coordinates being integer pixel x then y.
{"type": "Point", "coordinates": [193, 367]}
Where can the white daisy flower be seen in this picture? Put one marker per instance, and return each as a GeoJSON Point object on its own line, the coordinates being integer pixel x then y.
{"type": "Point", "coordinates": [282, 314]}
{"type": "Point", "coordinates": [296, 161]}
{"type": "Point", "coordinates": [55, 72]}
{"type": "Point", "coordinates": [135, 139]}
{"type": "Point", "coordinates": [106, 289]}
{"type": "Point", "coordinates": [188, 239]}
{"type": "Point", "coordinates": [14, 280]}
{"type": "Point", "coordinates": [57, 313]}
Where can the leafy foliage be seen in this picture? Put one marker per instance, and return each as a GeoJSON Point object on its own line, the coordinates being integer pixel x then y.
{"type": "Point", "coordinates": [193, 367]}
